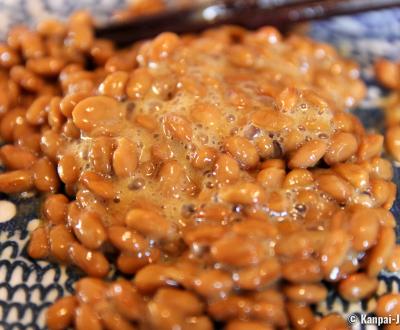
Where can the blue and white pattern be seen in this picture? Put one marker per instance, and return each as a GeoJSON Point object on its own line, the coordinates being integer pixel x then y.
{"type": "Point", "coordinates": [28, 287]}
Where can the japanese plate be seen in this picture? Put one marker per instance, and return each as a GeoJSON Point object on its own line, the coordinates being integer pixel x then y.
{"type": "Point", "coordinates": [28, 287]}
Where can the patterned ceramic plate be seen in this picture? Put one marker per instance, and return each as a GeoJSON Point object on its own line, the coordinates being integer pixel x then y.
{"type": "Point", "coordinates": [27, 287]}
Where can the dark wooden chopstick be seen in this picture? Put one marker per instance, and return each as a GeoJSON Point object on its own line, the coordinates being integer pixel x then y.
{"type": "Point", "coordinates": [250, 14]}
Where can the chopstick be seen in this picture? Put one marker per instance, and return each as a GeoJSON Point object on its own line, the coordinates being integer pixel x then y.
{"type": "Point", "coordinates": [249, 14]}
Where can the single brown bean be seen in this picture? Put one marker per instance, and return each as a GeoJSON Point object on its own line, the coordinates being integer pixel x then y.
{"type": "Point", "coordinates": [335, 186]}
{"type": "Point", "coordinates": [388, 73]}
{"type": "Point", "coordinates": [392, 141]}
{"type": "Point", "coordinates": [16, 158]}
{"type": "Point", "coordinates": [68, 169]}
{"type": "Point", "coordinates": [301, 315]}
{"type": "Point", "coordinates": [243, 193]}
{"type": "Point", "coordinates": [241, 307]}
{"type": "Point", "coordinates": [306, 293]}
{"type": "Point", "coordinates": [302, 271]}
{"type": "Point", "coordinates": [226, 169]}
{"type": "Point", "coordinates": [163, 46]}
{"type": "Point", "coordinates": [32, 45]}
{"type": "Point", "coordinates": [55, 118]}
{"type": "Point", "coordinates": [392, 187]}
{"type": "Point", "coordinates": [298, 178]}
{"type": "Point", "coordinates": [334, 250]}
{"type": "Point", "coordinates": [273, 163]}
{"type": "Point", "coordinates": [38, 247]}
{"type": "Point", "coordinates": [203, 235]}
{"type": "Point", "coordinates": [154, 276]}
{"type": "Point", "coordinates": [265, 146]}
{"type": "Point", "coordinates": [61, 314]}
{"type": "Point", "coordinates": [269, 307]}
{"type": "Point", "coordinates": [357, 287]}
{"type": "Point", "coordinates": [271, 120]}
{"type": "Point", "coordinates": [204, 157]}
{"type": "Point", "coordinates": [97, 113]}
{"type": "Point", "coordinates": [300, 243]}
{"type": "Point", "coordinates": [46, 66]}
{"type": "Point", "coordinates": [98, 185]}
{"type": "Point", "coordinates": [331, 322]}
{"type": "Point", "coordinates": [386, 217]}
{"type": "Point", "coordinates": [127, 240]}
{"type": "Point", "coordinates": [126, 300]}
{"type": "Point", "coordinates": [380, 168]}
{"type": "Point", "coordinates": [364, 227]}
{"type": "Point", "coordinates": [26, 137]}
{"type": "Point", "coordinates": [51, 143]}
{"type": "Point", "coordinates": [60, 239]}
{"type": "Point", "coordinates": [92, 263]}
{"type": "Point", "coordinates": [308, 154]}
{"type": "Point", "coordinates": [342, 147]}
{"type": "Point", "coordinates": [69, 101]}
{"type": "Point", "coordinates": [185, 302]}
{"type": "Point", "coordinates": [271, 178]}
{"type": "Point", "coordinates": [243, 151]}
{"type": "Point", "coordinates": [206, 114]}
{"type": "Point", "coordinates": [371, 145]}
{"type": "Point", "coordinates": [232, 307]}
{"type": "Point", "coordinates": [79, 81]}
{"type": "Point", "coordinates": [380, 253]}
{"type": "Point", "coordinates": [26, 79]}
{"type": "Point", "coordinates": [9, 121]}
{"type": "Point", "coordinates": [37, 112]}
{"type": "Point", "coordinates": [199, 323]}
{"type": "Point", "coordinates": [380, 190]}
{"type": "Point", "coordinates": [16, 181]}
{"type": "Point", "coordinates": [354, 174]}
{"type": "Point", "coordinates": [45, 176]}
{"type": "Point", "coordinates": [240, 56]}
{"type": "Point", "coordinates": [86, 318]}
{"type": "Point", "coordinates": [256, 228]}
{"type": "Point", "coordinates": [29, 142]}
{"type": "Point", "coordinates": [55, 208]}
{"type": "Point", "coordinates": [178, 127]}
{"type": "Point", "coordinates": [148, 223]}
{"type": "Point", "coordinates": [8, 56]}
{"type": "Point", "coordinates": [164, 87]}
{"type": "Point", "coordinates": [112, 320]}
{"type": "Point", "coordinates": [260, 276]}
{"type": "Point", "coordinates": [131, 263]}
{"type": "Point", "coordinates": [146, 121]}
{"type": "Point", "coordinates": [73, 212]}
{"type": "Point", "coordinates": [100, 155]}
{"type": "Point", "coordinates": [90, 290]}
{"type": "Point", "coordinates": [89, 230]}
{"type": "Point", "coordinates": [388, 305]}
{"type": "Point", "coordinates": [80, 36]}
{"type": "Point", "coordinates": [139, 83]}
{"type": "Point", "coordinates": [102, 50]}
{"type": "Point", "coordinates": [14, 36]}
{"type": "Point", "coordinates": [51, 27]}
{"type": "Point", "coordinates": [70, 130]}
{"type": "Point", "coordinates": [393, 263]}
{"type": "Point", "coordinates": [238, 251]}
{"type": "Point", "coordinates": [125, 158]}
{"type": "Point", "coordinates": [114, 85]}
{"type": "Point", "coordinates": [213, 283]}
